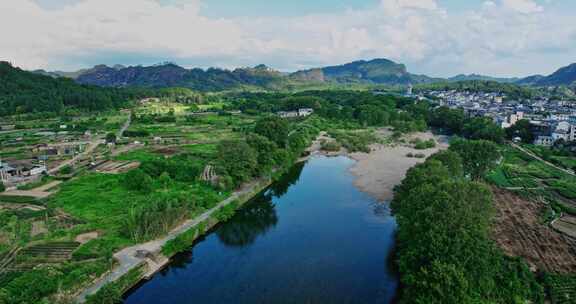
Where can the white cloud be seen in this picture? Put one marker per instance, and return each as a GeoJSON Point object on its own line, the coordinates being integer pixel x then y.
{"type": "Point", "coordinates": [421, 4]}
{"type": "Point", "coordinates": [523, 6]}
{"type": "Point", "coordinates": [500, 37]}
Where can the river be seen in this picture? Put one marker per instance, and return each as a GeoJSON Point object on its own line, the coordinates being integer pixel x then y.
{"type": "Point", "coordinates": [312, 237]}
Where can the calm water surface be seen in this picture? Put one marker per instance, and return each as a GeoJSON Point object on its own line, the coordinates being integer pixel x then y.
{"type": "Point", "coordinates": [310, 238]}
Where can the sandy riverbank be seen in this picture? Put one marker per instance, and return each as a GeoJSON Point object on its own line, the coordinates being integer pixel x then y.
{"type": "Point", "coordinates": [379, 171]}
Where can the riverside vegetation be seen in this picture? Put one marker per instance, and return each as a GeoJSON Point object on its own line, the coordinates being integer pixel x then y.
{"type": "Point", "coordinates": [166, 190]}
{"type": "Point", "coordinates": [442, 200]}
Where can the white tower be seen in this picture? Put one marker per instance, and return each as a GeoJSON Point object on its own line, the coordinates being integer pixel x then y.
{"type": "Point", "coordinates": [3, 174]}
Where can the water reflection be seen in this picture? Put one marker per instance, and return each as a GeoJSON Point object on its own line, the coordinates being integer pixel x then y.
{"type": "Point", "coordinates": [180, 261]}
{"type": "Point", "coordinates": [259, 215]}
{"type": "Point", "coordinates": [310, 238]}
{"type": "Point", "coordinates": [248, 223]}
{"type": "Point", "coordinates": [290, 178]}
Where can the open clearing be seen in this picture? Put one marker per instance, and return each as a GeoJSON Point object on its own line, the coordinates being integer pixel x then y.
{"type": "Point", "coordinates": [519, 232]}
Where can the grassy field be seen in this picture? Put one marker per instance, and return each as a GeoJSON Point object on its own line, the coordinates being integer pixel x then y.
{"type": "Point", "coordinates": [100, 205]}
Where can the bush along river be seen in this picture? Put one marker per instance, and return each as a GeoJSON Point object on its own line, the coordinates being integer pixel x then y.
{"type": "Point", "coordinates": [311, 237]}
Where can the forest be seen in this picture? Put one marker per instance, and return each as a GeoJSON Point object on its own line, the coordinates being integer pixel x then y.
{"type": "Point", "coordinates": [26, 92]}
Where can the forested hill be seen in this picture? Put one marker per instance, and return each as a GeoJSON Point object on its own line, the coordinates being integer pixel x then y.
{"type": "Point", "coordinates": [563, 76]}
{"type": "Point", "coordinates": [171, 75]}
{"type": "Point", "coordinates": [377, 71]}
{"type": "Point", "coordinates": [25, 92]}
{"type": "Point", "coordinates": [511, 90]}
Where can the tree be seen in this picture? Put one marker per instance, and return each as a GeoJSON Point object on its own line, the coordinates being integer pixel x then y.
{"type": "Point", "coordinates": [138, 180]}
{"type": "Point", "coordinates": [522, 129]}
{"type": "Point", "coordinates": [450, 119]}
{"type": "Point", "coordinates": [111, 138]}
{"type": "Point", "coordinates": [274, 128]}
{"type": "Point", "coordinates": [451, 160]}
{"type": "Point", "coordinates": [237, 159]}
{"type": "Point", "coordinates": [483, 128]}
{"type": "Point", "coordinates": [266, 150]}
{"type": "Point", "coordinates": [165, 180]}
{"type": "Point", "coordinates": [2, 187]}
{"type": "Point", "coordinates": [66, 170]}
{"type": "Point", "coordinates": [478, 156]}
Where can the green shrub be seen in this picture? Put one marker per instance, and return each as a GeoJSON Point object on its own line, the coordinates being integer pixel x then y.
{"type": "Point", "coordinates": [331, 146]}
{"type": "Point", "coordinates": [66, 170]}
{"type": "Point", "coordinates": [424, 144]}
{"type": "Point", "coordinates": [181, 242]}
{"type": "Point", "coordinates": [137, 180]}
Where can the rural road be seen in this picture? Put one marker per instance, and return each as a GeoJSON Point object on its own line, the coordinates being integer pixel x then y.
{"type": "Point", "coordinates": [124, 127]}
{"type": "Point", "coordinates": [127, 259]}
{"type": "Point", "coordinates": [91, 147]}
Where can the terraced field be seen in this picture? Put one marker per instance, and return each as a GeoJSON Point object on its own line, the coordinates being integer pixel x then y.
{"type": "Point", "coordinates": [566, 224]}
{"type": "Point", "coordinates": [519, 232]}
{"type": "Point", "coordinates": [562, 288]}
{"type": "Point", "coordinates": [48, 253]}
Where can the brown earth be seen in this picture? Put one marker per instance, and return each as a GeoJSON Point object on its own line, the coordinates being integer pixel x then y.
{"type": "Point", "coordinates": [518, 231]}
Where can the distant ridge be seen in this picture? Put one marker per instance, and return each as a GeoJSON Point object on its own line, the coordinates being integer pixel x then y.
{"type": "Point", "coordinates": [463, 77]}
{"type": "Point", "coordinates": [375, 71]}
{"type": "Point", "coordinates": [563, 76]}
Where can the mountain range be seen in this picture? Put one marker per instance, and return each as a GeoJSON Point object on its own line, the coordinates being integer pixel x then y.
{"type": "Point", "coordinates": [376, 71]}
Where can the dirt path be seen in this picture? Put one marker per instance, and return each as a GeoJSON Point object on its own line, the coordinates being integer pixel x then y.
{"type": "Point", "coordinates": [127, 258]}
{"type": "Point", "coordinates": [39, 193]}
{"type": "Point", "coordinates": [48, 186]}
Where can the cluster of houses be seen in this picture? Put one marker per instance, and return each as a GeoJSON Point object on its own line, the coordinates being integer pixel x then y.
{"type": "Point", "coordinates": [16, 171]}
{"type": "Point", "coordinates": [298, 113]}
{"type": "Point", "coordinates": [551, 120]}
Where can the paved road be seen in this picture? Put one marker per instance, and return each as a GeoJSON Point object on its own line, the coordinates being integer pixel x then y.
{"type": "Point", "coordinates": [127, 259]}
{"type": "Point", "coordinates": [124, 127]}
{"type": "Point", "coordinates": [542, 160]}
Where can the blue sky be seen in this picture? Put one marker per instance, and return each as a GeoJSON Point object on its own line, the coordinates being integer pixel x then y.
{"type": "Point", "coordinates": [239, 8]}
{"type": "Point", "coordinates": [435, 37]}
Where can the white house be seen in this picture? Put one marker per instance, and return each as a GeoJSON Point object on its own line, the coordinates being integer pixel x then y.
{"type": "Point", "coordinates": [305, 112]}
{"type": "Point", "coordinates": [544, 140]}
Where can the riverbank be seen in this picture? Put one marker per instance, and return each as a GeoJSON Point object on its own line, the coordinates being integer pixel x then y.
{"type": "Point", "coordinates": [295, 242]}
{"type": "Point", "coordinates": [148, 255]}
{"type": "Point", "coordinates": [386, 165]}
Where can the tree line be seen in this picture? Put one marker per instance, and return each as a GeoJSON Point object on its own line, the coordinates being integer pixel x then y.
{"type": "Point", "coordinates": [26, 92]}
{"type": "Point", "coordinates": [269, 149]}
{"type": "Point", "coordinates": [445, 254]}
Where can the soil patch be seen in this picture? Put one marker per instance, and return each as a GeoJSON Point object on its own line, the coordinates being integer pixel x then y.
{"type": "Point", "coordinates": [518, 231]}
{"type": "Point", "coordinates": [86, 237]}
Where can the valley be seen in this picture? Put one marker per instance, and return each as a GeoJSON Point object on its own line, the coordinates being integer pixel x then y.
{"type": "Point", "coordinates": [107, 205]}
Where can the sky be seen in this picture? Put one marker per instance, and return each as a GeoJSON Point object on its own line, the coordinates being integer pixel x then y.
{"type": "Point", "coordinates": [433, 37]}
